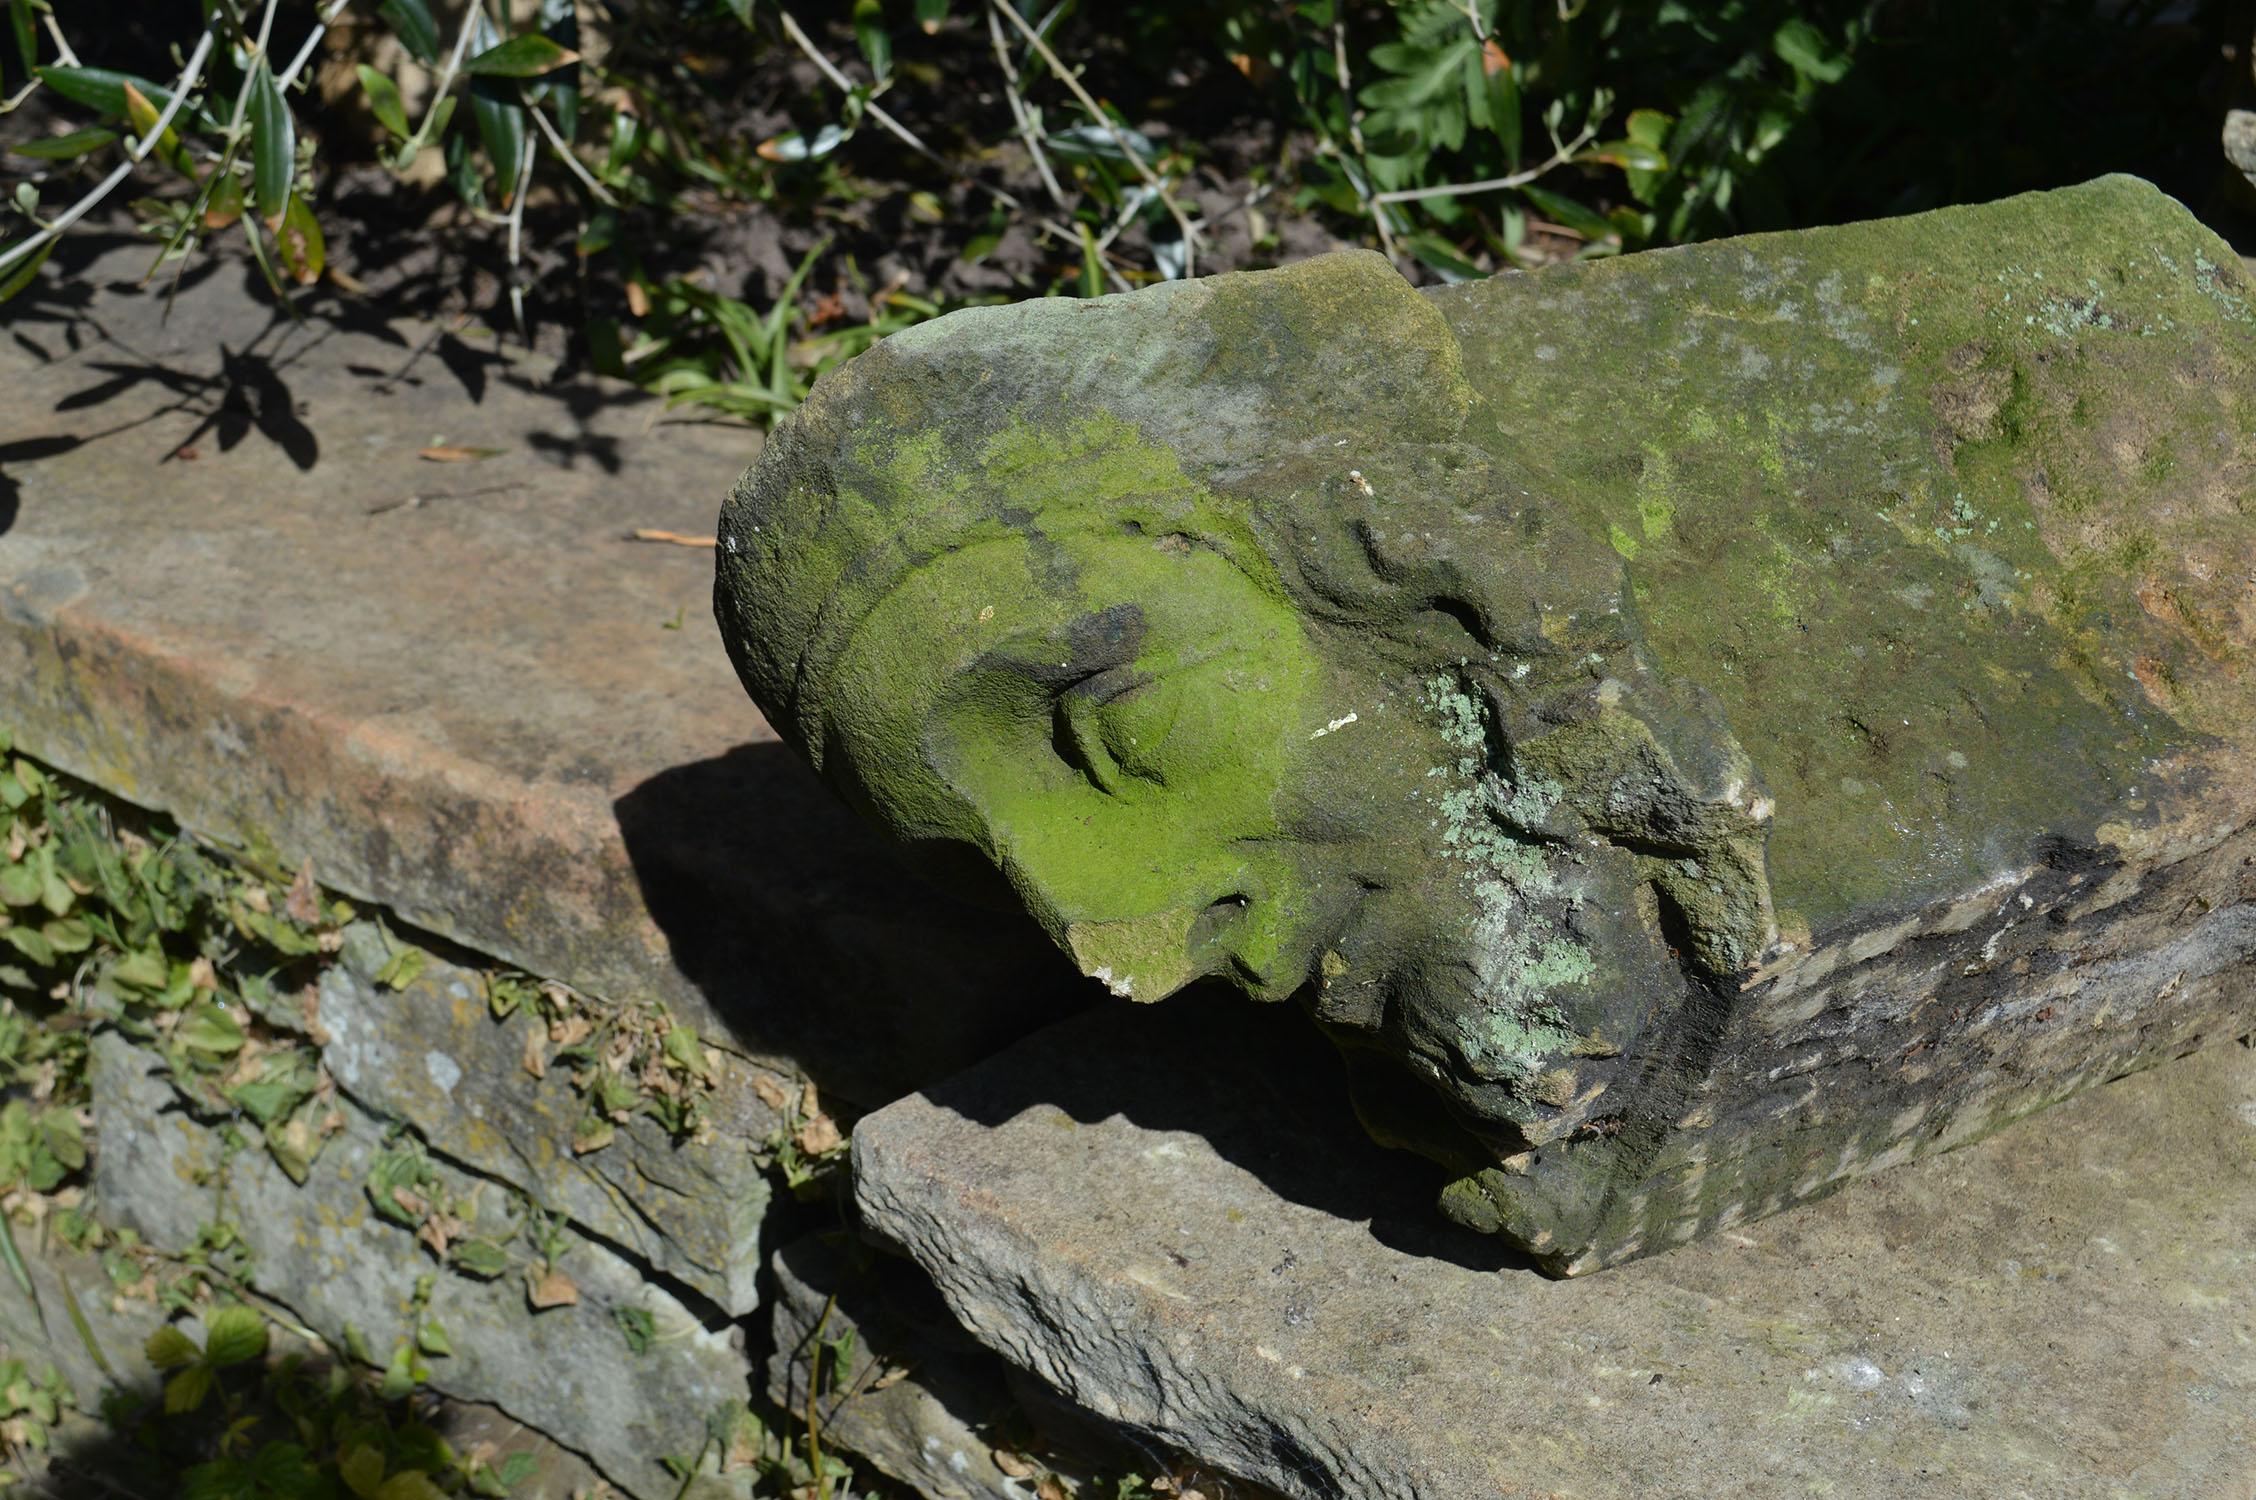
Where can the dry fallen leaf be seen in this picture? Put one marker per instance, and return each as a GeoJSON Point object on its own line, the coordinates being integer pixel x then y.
{"type": "Point", "coordinates": [678, 538]}
{"type": "Point", "coordinates": [303, 904]}
{"type": "Point", "coordinates": [201, 975]}
{"type": "Point", "coordinates": [819, 1135]}
{"type": "Point", "coordinates": [553, 1290]}
{"type": "Point", "coordinates": [1050, 1487]}
{"type": "Point", "coordinates": [535, 1055]}
{"type": "Point", "coordinates": [1017, 1466]}
{"type": "Point", "coordinates": [772, 1092]}
{"type": "Point", "coordinates": [454, 453]}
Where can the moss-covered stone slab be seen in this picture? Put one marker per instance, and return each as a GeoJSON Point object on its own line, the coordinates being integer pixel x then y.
{"type": "Point", "coordinates": [1169, 1215]}
{"type": "Point", "coordinates": [1693, 728]}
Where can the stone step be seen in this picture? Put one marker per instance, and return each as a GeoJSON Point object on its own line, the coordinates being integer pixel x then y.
{"type": "Point", "coordinates": [233, 589]}
{"type": "Point", "coordinates": [1167, 1215]}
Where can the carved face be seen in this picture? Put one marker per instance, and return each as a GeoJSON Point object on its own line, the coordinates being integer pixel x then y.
{"type": "Point", "coordinates": [1110, 718]}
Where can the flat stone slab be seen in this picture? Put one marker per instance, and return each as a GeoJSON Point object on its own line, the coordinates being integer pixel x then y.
{"type": "Point", "coordinates": [1203, 1245]}
{"type": "Point", "coordinates": [232, 588]}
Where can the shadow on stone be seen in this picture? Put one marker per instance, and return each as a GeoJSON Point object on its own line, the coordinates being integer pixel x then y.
{"type": "Point", "coordinates": [804, 931]}
{"type": "Point", "coordinates": [1259, 1084]}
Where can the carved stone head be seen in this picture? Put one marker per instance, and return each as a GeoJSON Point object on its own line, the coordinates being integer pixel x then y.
{"type": "Point", "coordinates": [1194, 616]}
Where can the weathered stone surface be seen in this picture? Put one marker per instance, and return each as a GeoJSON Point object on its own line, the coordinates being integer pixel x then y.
{"type": "Point", "coordinates": [1692, 728]}
{"type": "Point", "coordinates": [920, 1399]}
{"type": "Point", "coordinates": [432, 1055]}
{"type": "Point", "coordinates": [453, 685]}
{"type": "Point", "coordinates": [323, 1251]}
{"type": "Point", "coordinates": [1201, 1244]}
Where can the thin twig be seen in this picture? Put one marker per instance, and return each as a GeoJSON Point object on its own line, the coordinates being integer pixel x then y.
{"type": "Point", "coordinates": [135, 154]}
{"type": "Point", "coordinates": [1096, 112]}
{"type": "Point", "coordinates": [516, 240]}
{"type": "Point", "coordinates": [305, 52]}
{"type": "Point", "coordinates": [1017, 105]}
{"type": "Point", "coordinates": [1557, 158]}
{"type": "Point", "coordinates": [900, 132]}
{"type": "Point", "coordinates": [677, 538]}
{"type": "Point", "coordinates": [63, 53]}
{"type": "Point", "coordinates": [563, 150]}
{"type": "Point", "coordinates": [445, 82]}
{"type": "Point", "coordinates": [250, 76]}
{"type": "Point", "coordinates": [1355, 138]}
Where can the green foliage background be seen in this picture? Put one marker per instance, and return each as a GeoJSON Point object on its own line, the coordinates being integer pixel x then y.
{"type": "Point", "coordinates": [1029, 149]}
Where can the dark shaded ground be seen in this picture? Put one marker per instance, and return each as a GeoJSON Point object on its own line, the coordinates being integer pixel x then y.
{"type": "Point", "coordinates": [1948, 103]}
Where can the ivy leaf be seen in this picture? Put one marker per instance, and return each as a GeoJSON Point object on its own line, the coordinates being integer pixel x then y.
{"type": "Point", "coordinates": [480, 1258]}
{"type": "Point", "coordinates": [207, 1028]}
{"type": "Point", "coordinates": [233, 1335]}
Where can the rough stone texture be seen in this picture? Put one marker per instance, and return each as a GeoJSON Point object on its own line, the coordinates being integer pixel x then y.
{"type": "Point", "coordinates": [1201, 1244]}
{"type": "Point", "coordinates": [1692, 727]}
{"type": "Point", "coordinates": [322, 1251]}
{"type": "Point", "coordinates": [85, 1446]}
{"type": "Point", "coordinates": [920, 1400]}
{"type": "Point", "coordinates": [485, 710]}
{"type": "Point", "coordinates": [432, 1056]}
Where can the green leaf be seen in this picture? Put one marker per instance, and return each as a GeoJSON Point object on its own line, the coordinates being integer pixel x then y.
{"type": "Point", "coordinates": [741, 9]}
{"type": "Point", "coordinates": [1804, 48]}
{"type": "Point", "coordinates": [400, 1377]}
{"type": "Point", "coordinates": [186, 1391]}
{"type": "Point", "coordinates": [207, 1028]}
{"type": "Point", "coordinates": [929, 15]}
{"type": "Point", "coordinates": [31, 945]}
{"type": "Point", "coordinates": [144, 968]}
{"type": "Point", "coordinates": [167, 147]}
{"type": "Point", "coordinates": [362, 1470]}
{"type": "Point", "coordinates": [384, 101]}
{"type": "Point", "coordinates": [687, 1052]}
{"type": "Point", "coordinates": [103, 91]}
{"type": "Point", "coordinates": [64, 147]}
{"type": "Point", "coordinates": [413, 1484]}
{"type": "Point", "coordinates": [431, 1339]}
{"type": "Point", "coordinates": [870, 35]}
{"type": "Point", "coordinates": [1580, 218]}
{"type": "Point", "coordinates": [19, 885]}
{"type": "Point", "coordinates": [403, 967]}
{"type": "Point", "coordinates": [27, 41]}
{"type": "Point", "coordinates": [21, 271]}
{"type": "Point", "coordinates": [169, 1349]}
{"type": "Point", "coordinates": [68, 935]}
{"type": "Point", "coordinates": [233, 1335]}
{"type": "Point", "coordinates": [480, 1258]}
{"type": "Point", "coordinates": [527, 56]}
{"type": "Point", "coordinates": [411, 22]}
{"type": "Point", "coordinates": [274, 146]}
{"type": "Point", "coordinates": [299, 238]}
{"type": "Point", "coordinates": [66, 1138]}
{"type": "Point", "coordinates": [501, 119]}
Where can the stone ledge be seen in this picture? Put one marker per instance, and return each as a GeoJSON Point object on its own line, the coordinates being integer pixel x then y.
{"type": "Point", "coordinates": [482, 709]}
{"type": "Point", "coordinates": [1203, 1246]}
